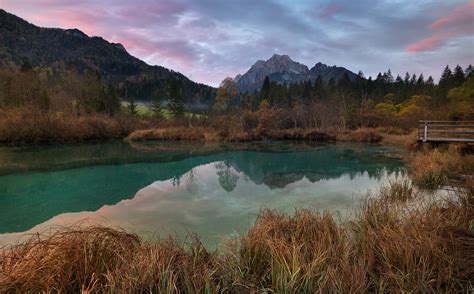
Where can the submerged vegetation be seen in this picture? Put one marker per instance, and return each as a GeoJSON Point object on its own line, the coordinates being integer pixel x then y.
{"type": "Point", "coordinates": [401, 240]}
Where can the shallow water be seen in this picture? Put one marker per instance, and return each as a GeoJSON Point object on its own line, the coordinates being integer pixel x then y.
{"type": "Point", "coordinates": [157, 189]}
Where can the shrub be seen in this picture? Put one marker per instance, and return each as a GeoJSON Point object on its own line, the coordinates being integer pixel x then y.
{"type": "Point", "coordinates": [28, 126]}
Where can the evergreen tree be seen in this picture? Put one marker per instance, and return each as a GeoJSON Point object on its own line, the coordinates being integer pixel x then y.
{"type": "Point", "coordinates": [266, 88]}
{"type": "Point", "coordinates": [388, 77]}
{"type": "Point", "coordinates": [344, 83]}
{"type": "Point", "coordinates": [111, 101]}
{"type": "Point", "coordinates": [413, 80]}
{"type": "Point", "coordinates": [445, 83]}
{"type": "Point", "coordinates": [430, 81]}
{"type": "Point", "coordinates": [446, 76]}
{"type": "Point", "coordinates": [156, 109]}
{"type": "Point", "coordinates": [406, 80]}
{"type": "Point", "coordinates": [380, 78]}
{"type": "Point", "coordinates": [176, 103]}
{"type": "Point", "coordinates": [421, 80]}
{"type": "Point", "coordinates": [132, 107]}
{"type": "Point", "coordinates": [468, 72]}
{"type": "Point", "coordinates": [430, 86]}
{"type": "Point", "coordinates": [458, 76]}
{"type": "Point", "coordinates": [318, 88]}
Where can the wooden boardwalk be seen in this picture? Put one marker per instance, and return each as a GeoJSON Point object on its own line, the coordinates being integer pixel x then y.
{"type": "Point", "coordinates": [446, 131]}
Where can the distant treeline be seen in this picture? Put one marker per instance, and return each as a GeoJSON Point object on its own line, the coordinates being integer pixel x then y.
{"type": "Point", "coordinates": [343, 104]}
{"type": "Point", "coordinates": [358, 102]}
{"type": "Point", "coordinates": [59, 90]}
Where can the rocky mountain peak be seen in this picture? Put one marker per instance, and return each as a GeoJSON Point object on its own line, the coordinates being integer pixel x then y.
{"type": "Point", "coordinates": [320, 66]}
{"type": "Point", "coordinates": [278, 64]}
{"type": "Point", "coordinates": [283, 70]}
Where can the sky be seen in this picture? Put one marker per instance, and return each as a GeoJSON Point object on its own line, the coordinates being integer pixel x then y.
{"type": "Point", "coordinates": [208, 40]}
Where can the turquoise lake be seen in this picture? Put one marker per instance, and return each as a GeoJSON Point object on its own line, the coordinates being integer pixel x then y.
{"type": "Point", "coordinates": [156, 189]}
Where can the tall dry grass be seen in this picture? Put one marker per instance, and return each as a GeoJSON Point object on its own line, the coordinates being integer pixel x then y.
{"type": "Point", "coordinates": [28, 126]}
{"type": "Point", "coordinates": [433, 168]}
{"type": "Point", "coordinates": [396, 243]}
{"type": "Point", "coordinates": [229, 135]}
{"type": "Point", "coordinates": [233, 133]}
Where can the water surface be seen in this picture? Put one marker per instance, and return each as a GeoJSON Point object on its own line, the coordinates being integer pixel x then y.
{"type": "Point", "coordinates": [156, 189]}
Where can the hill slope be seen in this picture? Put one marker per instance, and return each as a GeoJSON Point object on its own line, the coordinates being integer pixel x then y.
{"type": "Point", "coordinates": [21, 41]}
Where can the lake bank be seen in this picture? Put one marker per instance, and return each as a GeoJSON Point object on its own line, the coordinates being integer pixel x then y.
{"type": "Point", "coordinates": [401, 239]}
{"type": "Point", "coordinates": [426, 248]}
{"type": "Point", "coordinates": [28, 127]}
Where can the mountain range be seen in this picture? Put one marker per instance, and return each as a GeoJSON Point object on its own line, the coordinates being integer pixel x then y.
{"type": "Point", "coordinates": [283, 70]}
{"type": "Point", "coordinates": [72, 49]}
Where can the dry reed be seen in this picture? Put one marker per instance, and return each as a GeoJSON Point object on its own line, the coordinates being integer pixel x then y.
{"type": "Point", "coordinates": [397, 243]}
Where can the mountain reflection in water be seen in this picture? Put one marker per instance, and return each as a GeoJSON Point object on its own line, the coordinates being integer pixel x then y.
{"type": "Point", "coordinates": [212, 194]}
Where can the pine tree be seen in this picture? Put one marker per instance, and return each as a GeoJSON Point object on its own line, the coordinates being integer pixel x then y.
{"type": "Point", "coordinates": [132, 107]}
{"type": "Point", "coordinates": [469, 71]}
{"type": "Point", "coordinates": [458, 76]}
{"type": "Point", "coordinates": [413, 80]}
{"type": "Point", "coordinates": [445, 83]}
{"type": "Point", "coordinates": [111, 103]}
{"type": "Point", "coordinates": [407, 78]}
{"type": "Point", "coordinates": [266, 88]}
{"type": "Point", "coordinates": [430, 81]}
{"type": "Point", "coordinates": [176, 103]}
{"type": "Point", "coordinates": [380, 78]}
{"type": "Point", "coordinates": [446, 76]}
{"type": "Point", "coordinates": [318, 88]}
{"type": "Point", "coordinates": [421, 80]}
{"type": "Point", "coordinates": [388, 77]}
{"type": "Point", "coordinates": [156, 109]}
{"type": "Point", "coordinates": [430, 86]}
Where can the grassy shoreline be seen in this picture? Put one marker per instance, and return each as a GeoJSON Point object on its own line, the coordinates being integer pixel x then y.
{"type": "Point", "coordinates": [402, 240]}
{"type": "Point", "coordinates": [26, 126]}
{"type": "Point", "coordinates": [393, 245]}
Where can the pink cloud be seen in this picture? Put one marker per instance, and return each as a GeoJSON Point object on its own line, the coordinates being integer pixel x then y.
{"type": "Point", "coordinates": [434, 41]}
{"type": "Point", "coordinates": [462, 14]}
{"type": "Point", "coordinates": [87, 22]}
{"type": "Point", "coordinates": [460, 21]}
{"type": "Point", "coordinates": [181, 52]}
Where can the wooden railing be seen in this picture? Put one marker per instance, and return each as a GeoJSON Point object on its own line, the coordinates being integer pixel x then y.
{"type": "Point", "coordinates": [446, 131]}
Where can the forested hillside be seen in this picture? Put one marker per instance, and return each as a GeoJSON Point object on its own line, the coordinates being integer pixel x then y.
{"type": "Point", "coordinates": [72, 50]}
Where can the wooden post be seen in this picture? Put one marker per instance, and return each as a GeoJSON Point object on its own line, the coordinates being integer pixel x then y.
{"type": "Point", "coordinates": [426, 132]}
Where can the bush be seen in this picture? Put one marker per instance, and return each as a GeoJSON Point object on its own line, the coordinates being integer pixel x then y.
{"type": "Point", "coordinates": [432, 169]}
{"type": "Point", "coordinates": [28, 126]}
{"type": "Point", "coordinates": [249, 120]}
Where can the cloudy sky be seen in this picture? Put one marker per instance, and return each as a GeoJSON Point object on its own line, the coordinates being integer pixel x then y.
{"type": "Point", "coordinates": [208, 40]}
